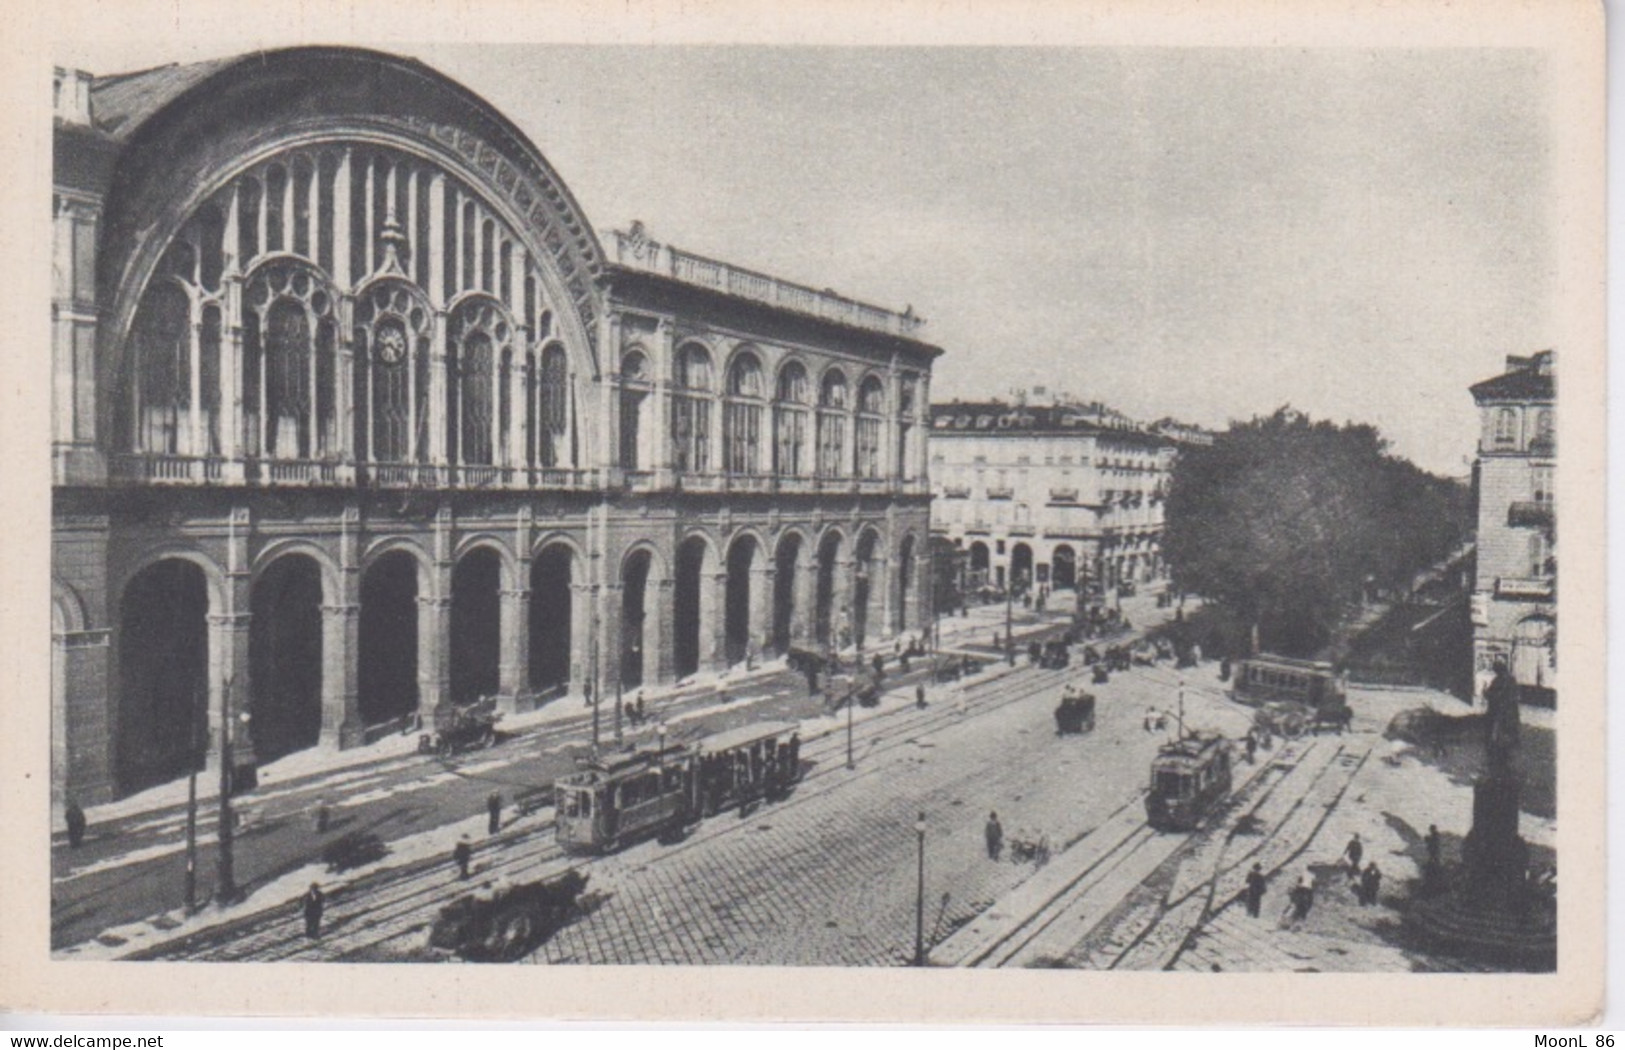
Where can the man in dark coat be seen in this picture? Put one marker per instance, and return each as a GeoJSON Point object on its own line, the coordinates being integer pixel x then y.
{"type": "Point", "coordinates": [919, 696]}
{"type": "Point", "coordinates": [995, 836]}
{"type": "Point", "coordinates": [461, 855]}
{"type": "Point", "coordinates": [1370, 883]}
{"type": "Point", "coordinates": [493, 810]}
{"type": "Point", "coordinates": [75, 818]}
{"type": "Point", "coordinates": [1353, 851]}
{"type": "Point", "coordinates": [314, 901]}
{"type": "Point", "coordinates": [1255, 890]}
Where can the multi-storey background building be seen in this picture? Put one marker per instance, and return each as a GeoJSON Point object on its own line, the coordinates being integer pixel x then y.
{"type": "Point", "coordinates": [1057, 495]}
{"type": "Point", "coordinates": [1515, 593]}
{"type": "Point", "coordinates": [356, 418]}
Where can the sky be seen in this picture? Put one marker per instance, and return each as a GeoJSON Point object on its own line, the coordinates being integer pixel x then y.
{"type": "Point", "coordinates": [1205, 233]}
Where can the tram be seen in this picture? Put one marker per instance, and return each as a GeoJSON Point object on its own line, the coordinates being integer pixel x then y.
{"type": "Point", "coordinates": [620, 798]}
{"type": "Point", "coordinates": [1264, 678]}
{"type": "Point", "coordinates": [1189, 778]}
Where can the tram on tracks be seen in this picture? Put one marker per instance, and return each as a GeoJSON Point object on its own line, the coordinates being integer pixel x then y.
{"type": "Point", "coordinates": [619, 798]}
{"type": "Point", "coordinates": [1190, 777]}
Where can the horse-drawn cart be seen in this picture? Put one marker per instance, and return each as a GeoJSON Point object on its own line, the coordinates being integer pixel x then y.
{"type": "Point", "coordinates": [463, 728]}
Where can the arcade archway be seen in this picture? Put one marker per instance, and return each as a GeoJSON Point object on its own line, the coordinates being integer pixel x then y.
{"type": "Point", "coordinates": [551, 606]}
{"type": "Point", "coordinates": [736, 613]}
{"type": "Point", "coordinates": [285, 657]}
{"type": "Point", "coordinates": [387, 669]}
{"type": "Point", "coordinates": [163, 674]}
{"type": "Point", "coordinates": [476, 625]}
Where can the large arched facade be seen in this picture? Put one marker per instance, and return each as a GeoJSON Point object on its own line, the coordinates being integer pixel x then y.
{"type": "Point", "coordinates": [420, 434]}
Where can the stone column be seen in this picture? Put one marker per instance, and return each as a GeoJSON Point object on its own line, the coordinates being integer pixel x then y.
{"type": "Point", "coordinates": [762, 578]}
{"type": "Point", "coordinates": [434, 658]}
{"type": "Point", "coordinates": [341, 696]}
{"type": "Point", "coordinates": [919, 611]}
{"type": "Point", "coordinates": [804, 615]}
{"type": "Point", "coordinates": [661, 620]}
{"type": "Point", "coordinates": [713, 615]}
{"type": "Point", "coordinates": [514, 655]}
{"type": "Point", "coordinates": [581, 619]}
{"type": "Point", "coordinates": [86, 771]}
{"type": "Point", "coordinates": [841, 602]}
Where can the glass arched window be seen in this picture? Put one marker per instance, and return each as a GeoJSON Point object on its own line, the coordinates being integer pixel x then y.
{"type": "Point", "coordinates": [554, 408]}
{"type": "Point", "coordinates": [635, 388]}
{"type": "Point", "coordinates": [289, 382]}
{"type": "Point", "coordinates": [392, 334]}
{"type": "Point", "coordinates": [480, 338]}
{"type": "Point", "coordinates": [790, 421]}
{"type": "Point", "coordinates": [160, 343]}
{"type": "Point", "coordinates": [871, 419]}
{"type": "Point", "coordinates": [1506, 427]}
{"type": "Point", "coordinates": [742, 418]}
{"type": "Point", "coordinates": [832, 414]}
{"type": "Point", "coordinates": [691, 410]}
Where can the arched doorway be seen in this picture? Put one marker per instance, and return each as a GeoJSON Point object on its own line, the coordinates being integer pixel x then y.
{"type": "Point", "coordinates": [1021, 567]}
{"type": "Point", "coordinates": [476, 625]}
{"type": "Point", "coordinates": [787, 565]}
{"type": "Point", "coordinates": [865, 588]}
{"type": "Point", "coordinates": [550, 610]}
{"type": "Point", "coordinates": [979, 560]}
{"type": "Point", "coordinates": [285, 657]}
{"type": "Point", "coordinates": [1064, 567]}
{"type": "Point", "coordinates": [693, 607]}
{"type": "Point", "coordinates": [387, 676]}
{"type": "Point", "coordinates": [905, 584]}
{"type": "Point", "coordinates": [163, 674]}
{"type": "Point", "coordinates": [736, 612]}
{"type": "Point", "coordinates": [829, 552]}
{"type": "Point", "coordinates": [634, 617]}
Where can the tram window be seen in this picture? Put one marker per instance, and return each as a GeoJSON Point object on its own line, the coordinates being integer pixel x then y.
{"type": "Point", "coordinates": [1170, 785]}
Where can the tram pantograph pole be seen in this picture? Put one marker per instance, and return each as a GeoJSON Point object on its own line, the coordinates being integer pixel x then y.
{"type": "Point", "coordinates": [851, 701]}
{"type": "Point", "coordinates": [226, 892]}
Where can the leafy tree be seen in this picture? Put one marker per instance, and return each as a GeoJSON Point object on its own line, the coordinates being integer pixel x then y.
{"type": "Point", "coordinates": [1284, 520]}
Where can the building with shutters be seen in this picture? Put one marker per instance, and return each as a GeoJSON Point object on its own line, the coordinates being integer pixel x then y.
{"type": "Point", "coordinates": [357, 418]}
{"type": "Point", "coordinates": [1515, 591]}
{"type": "Point", "coordinates": [1057, 495]}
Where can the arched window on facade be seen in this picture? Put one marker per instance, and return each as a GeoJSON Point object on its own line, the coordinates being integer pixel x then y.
{"type": "Point", "coordinates": [691, 411]}
{"type": "Point", "coordinates": [907, 428]}
{"type": "Point", "coordinates": [871, 422]}
{"type": "Point", "coordinates": [742, 419]}
{"type": "Point", "coordinates": [392, 335]}
{"type": "Point", "coordinates": [554, 408]}
{"type": "Point", "coordinates": [635, 387]}
{"type": "Point", "coordinates": [480, 338]}
{"type": "Point", "coordinates": [160, 344]}
{"type": "Point", "coordinates": [290, 387]}
{"type": "Point", "coordinates": [832, 414]}
{"type": "Point", "coordinates": [790, 421]}
{"type": "Point", "coordinates": [1506, 427]}
{"type": "Point", "coordinates": [1544, 431]}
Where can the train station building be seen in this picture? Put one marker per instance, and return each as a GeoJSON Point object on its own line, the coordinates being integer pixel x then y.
{"type": "Point", "coordinates": [356, 418]}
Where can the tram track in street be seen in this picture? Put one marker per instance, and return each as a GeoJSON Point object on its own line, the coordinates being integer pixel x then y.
{"type": "Point", "coordinates": [277, 932]}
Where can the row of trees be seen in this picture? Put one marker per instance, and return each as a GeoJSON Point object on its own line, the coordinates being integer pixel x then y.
{"type": "Point", "coordinates": [1284, 521]}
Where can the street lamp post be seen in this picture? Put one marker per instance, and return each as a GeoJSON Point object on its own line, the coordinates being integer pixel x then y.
{"type": "Point", "coordinates": [1009, 618]}
{"type": "Point", "coordinates": [200, 736]}
{"type": "Point", "coordinates": [618, 734]}
{"type": "Point", "coordinates": [919, 894]}
{"type": "Point", "coordinates": [851, 702]}
{"type": "Point", "coordinates": [226, 891]}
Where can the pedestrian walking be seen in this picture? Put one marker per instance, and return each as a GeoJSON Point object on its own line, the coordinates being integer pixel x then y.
{"type": "Point", "coordinates": [1433, 844]}
{"type": "Point", "coordinates": [493, 809]}
{"type": "Point", "coordinates": [1352, 853]}
{"type": "Point", "coordinates": [1301, 898]}
{"type": "Point", "coordinates": [919, 696]}
{"type": "Point", "coordinates": [1370, 884]}
{"type": "Point", "coordinates": [637, 705]}
{"type": "Point", "coordinates": [461, 855]}
{"type": "Point", "coordinates": [313, 901]}
{"type": "Point", "coordinates": [75, 818]}
{"type": "Point", "coordinates": [994, 832]}
{"type": "Point", "coordinates": [1252, 748]}
{"type": "Point", "coordinates": [1255, 890]}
